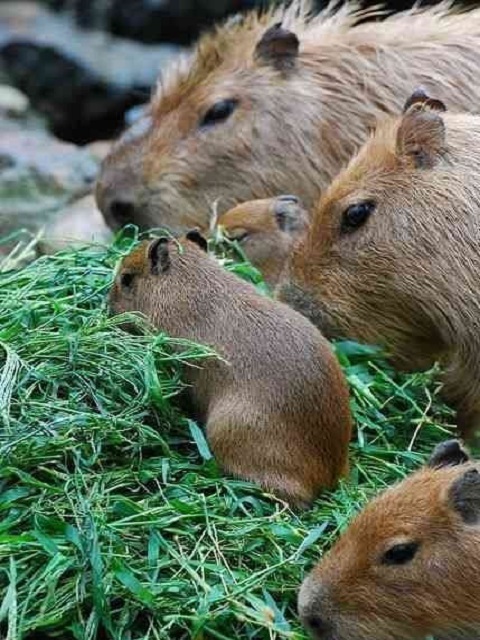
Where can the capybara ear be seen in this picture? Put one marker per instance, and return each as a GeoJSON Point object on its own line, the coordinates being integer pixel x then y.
{"type": "Point", "coordinates": [464, 495]}
{"type": "Point", "coordinates": [447, 454]}
{"type": "Point", "coordinates": [195, 236]}
{"type": "Point", "coordinates": [158, 255]}
{"type": "Point", "coordinates": [421, 137]}
{"type": "Point", "coordinates": [420, 99]}
{"type": "Point", "coordinates": [289, 214]}
{"type": "Point", "coordinates": [278, 47]}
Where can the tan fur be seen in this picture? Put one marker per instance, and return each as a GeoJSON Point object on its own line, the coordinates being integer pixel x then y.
{"type": "Point", "coordinates": [409, 278]}
{"type": "Point", "coordinates": [293, 130]}
{"type": "Point", "coordinates": [276, 408]}
{"type": "Point", "coordinates": [359, 597]}
{"type": "Point", "coordinates": [256, 227]}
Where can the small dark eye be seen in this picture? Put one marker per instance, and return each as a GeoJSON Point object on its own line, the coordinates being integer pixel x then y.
{"type": "Point", "coordinates": [239, 236]}
{"type": "Point", "coordinates": [356, 215]}
{"type": "Point", "coordinates": [400, 553]}
{"type": "Point", "coordinates": [219, 112]}
{"type": "Point", "coordinates": [126, 280]}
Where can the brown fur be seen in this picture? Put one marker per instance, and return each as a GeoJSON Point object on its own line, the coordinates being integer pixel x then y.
{"type": "Point", "coordinates": [266, 230]}
{"type": "Point", "coordinates": [352, 594]}
{"type": "Point", "coordinates": [296, 124]}
{"type": "Point", "coordinates": [409, 278]}
{"type": "Point", "coordinates": [276, 407]}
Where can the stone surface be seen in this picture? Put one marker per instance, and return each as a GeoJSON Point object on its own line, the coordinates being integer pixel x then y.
{"type": "Point", "coordinates": [39, 176]}
{"type": "Point", "coordinates": [80, 223]}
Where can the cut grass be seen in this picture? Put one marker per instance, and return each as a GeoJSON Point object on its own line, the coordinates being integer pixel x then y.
{"type": "Point", "coordinates": [115, 521]}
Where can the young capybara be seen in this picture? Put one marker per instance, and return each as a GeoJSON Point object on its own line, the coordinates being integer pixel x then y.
{"type": "Point", "coordinates": [408, 566]}
{"type": "Point", "coordinates": [392, 254]}
{"type": "Point", "coordinates": [266, 230]}
{"type": "Point", "coordinates": [262, 109]}
{"type": "Point", "coordinates": [275, 406]}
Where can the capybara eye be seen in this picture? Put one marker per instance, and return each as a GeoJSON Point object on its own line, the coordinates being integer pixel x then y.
{"type": "Point", "coordinates": [400, 553]}
{"type": "Point", "coordinates": [126, 280]}
{"type": "Point", "coordinates": [219, 112]}
{"type": "Point", "coordinates": [356, 215]}
{"type": "Point", "coordinates": [239, 236]}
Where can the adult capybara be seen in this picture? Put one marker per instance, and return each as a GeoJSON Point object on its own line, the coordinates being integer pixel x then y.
{"type": "Point", "coordinates": [266, 231]}
{"type": "Point", "coordinates": [408, 566]}
{"type": "Point", "coordinates": [276, 406]}
{"type": "Point", "coordinates": [261, 109]}
{"type": "Point", "coordinates": [392, 255]}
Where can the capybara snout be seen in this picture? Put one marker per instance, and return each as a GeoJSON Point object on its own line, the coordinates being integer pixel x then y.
{"type": "Point", "coordinates": [407, 566]}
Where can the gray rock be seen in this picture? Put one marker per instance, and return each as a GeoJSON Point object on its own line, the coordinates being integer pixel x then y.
{"type": "Point", "coordinates": [39, 176]}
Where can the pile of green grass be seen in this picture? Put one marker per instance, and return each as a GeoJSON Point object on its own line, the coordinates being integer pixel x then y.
{"type": "Point", "coordinates": [115, 521]}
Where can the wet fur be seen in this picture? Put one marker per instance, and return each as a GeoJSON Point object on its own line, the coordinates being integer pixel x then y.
{"type": "Point", "coordinates": [294, 128]}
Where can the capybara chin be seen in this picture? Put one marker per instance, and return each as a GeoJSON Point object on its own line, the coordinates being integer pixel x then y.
{"type": "Point", "coordinates": [262, 109]}
{"type": "Point", "coordinates": [266, 231]}
{"type": "Point", "coordinates": [275, 404]}
{"type": "Point", "coordinates": [392, 254]}
{"type": "Point", "coordinates": [407, 567]}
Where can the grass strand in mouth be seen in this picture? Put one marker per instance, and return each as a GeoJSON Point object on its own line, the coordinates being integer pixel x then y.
{"type": "Point", "coordinates": [115, 520]}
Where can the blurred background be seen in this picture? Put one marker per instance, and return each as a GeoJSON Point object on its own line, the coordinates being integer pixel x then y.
{"type": "Point", "coordinates": [73, 75]}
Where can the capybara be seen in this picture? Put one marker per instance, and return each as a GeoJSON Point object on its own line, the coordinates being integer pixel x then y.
{"type": "Point", "coordinates": [266, 230]}
{"type": "Point", "coordinates": [392, 254]}
{"type": "Point", "coordinates": [275, 404]}
{"type": "Point", "coordinates": [408, 566]}
{"type": "Point", "coordinates": [262, 109]}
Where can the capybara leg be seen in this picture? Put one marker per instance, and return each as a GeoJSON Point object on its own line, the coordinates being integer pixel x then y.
{"type": "Point", "coordinates": [241, 452]}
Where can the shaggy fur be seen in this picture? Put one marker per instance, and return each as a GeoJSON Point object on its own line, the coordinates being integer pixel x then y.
{"type": "Point", "coordinates": [408, 278]}
{"type": "Point", "coordinates": [353, 594]}
{"type": "Point", "coordinates": [295, 125]}
{"type": "Point", "coordinates": [276, 407]}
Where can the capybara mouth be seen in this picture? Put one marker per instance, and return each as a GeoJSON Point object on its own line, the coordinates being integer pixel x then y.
{"type": "Point", "coordinates": [303, 302]}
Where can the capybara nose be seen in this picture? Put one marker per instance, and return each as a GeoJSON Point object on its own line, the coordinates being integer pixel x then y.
{"type": "Point", "coordinates": [288, 198]}
{"type": "Point", "coordinates": [121, 211]}
{"type": "Point", "coordinates": [316, 625]}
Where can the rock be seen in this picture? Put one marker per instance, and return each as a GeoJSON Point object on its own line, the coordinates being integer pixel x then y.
{"type": "Point", "coordinates": [39, 176]}
{"type": "Point", "coordinates": [79, 224]}
{"type": "Point", "coordinates": [12, 101]}
{"type": "Point", "coordinates": [83, 82]}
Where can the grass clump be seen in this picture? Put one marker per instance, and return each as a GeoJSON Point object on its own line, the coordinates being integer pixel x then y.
{"type": "Point", "coordinates": [115, 521]}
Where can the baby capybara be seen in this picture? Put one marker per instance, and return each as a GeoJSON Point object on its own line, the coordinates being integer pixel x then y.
{"type": "Point", "coordinates": [408, 566]}
{"type": "Point", "coordinates": [262, 109]}
{"type": "Point", "coordinates": [392, 255]}
{"type": "Point", "coordinates": [266, 231]}
{"type": "Point", "coordinates": [275, 404]}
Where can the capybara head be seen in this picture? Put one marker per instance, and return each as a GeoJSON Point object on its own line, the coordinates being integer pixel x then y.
{"type": "Point", "coordinates": [211, 134]}
{"type": "Point", "coordinates": [165, 266]}
{"type": "Point", "coordinates": [277, 102]}
{"type": "Point", "coordinates": [266, 230]}
{"type": "Point", "coordinates": [408, 565]}
{"type": "Point", "coordinates": [391, 255]}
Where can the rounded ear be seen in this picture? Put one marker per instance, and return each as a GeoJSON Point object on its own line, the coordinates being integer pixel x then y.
{"type": "Point", "coordinates": [278, 47]}
{"type": "Point", "coordinates": [464, 496]}
{"type": "Point", "coordinates": [448, 453]}
{"type": "Point", "coordinates": [289, 214]}
{"type": "Point", "coordinates": [421, 137]}
{"type": "Point", "coordinates": [195, 236]}
{"type": "Point", "coordinates": [420, 99]}
{"type": "Point", "coordinates": [158, 255]}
